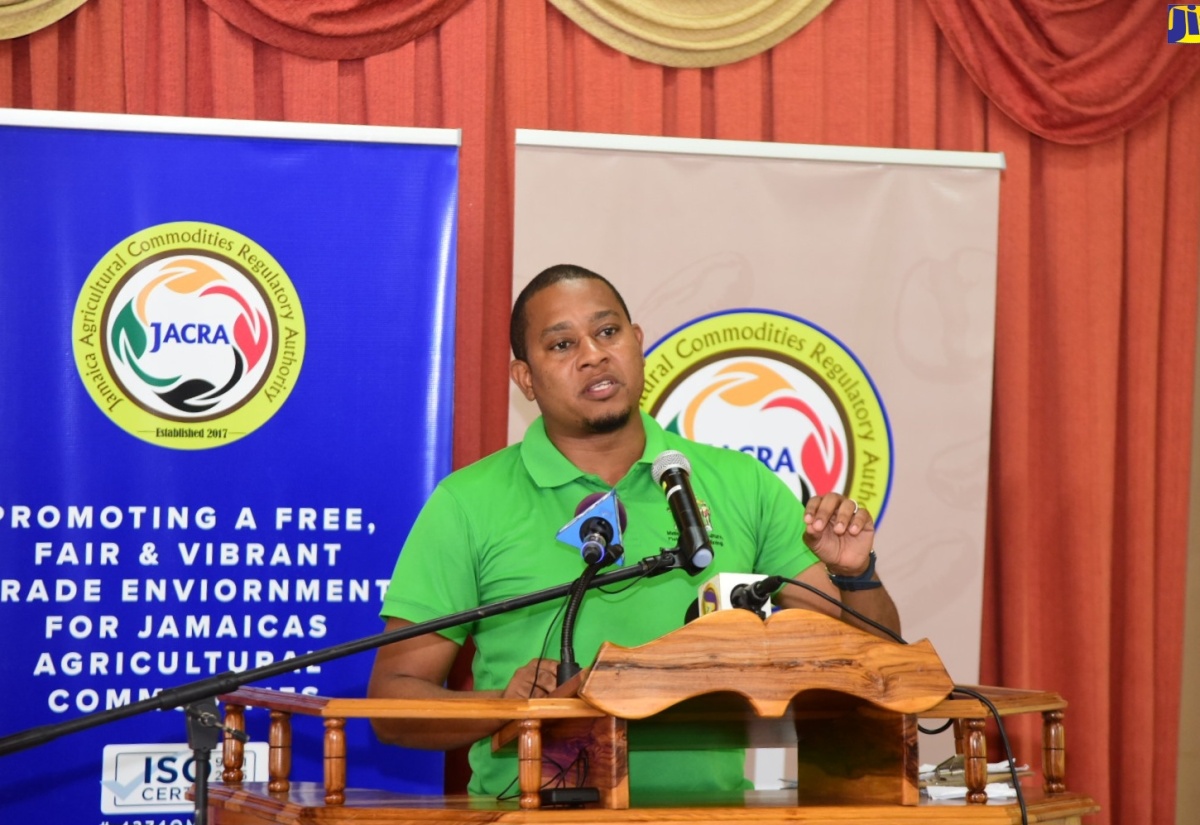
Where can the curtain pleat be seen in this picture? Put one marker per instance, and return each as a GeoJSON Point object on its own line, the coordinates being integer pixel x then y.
{"type": "Point", "coordinates": [1096, 290]}
{"type": "Point", "coordinates": [688, 33]}
{"type": "Point", "coordinates": [1075, 72]}
{"type": "Point", "coordinates": [336, 29]}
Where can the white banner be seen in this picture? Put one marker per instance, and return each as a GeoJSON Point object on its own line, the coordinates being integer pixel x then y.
{"type": "Point", "coordinates": [828, 309]}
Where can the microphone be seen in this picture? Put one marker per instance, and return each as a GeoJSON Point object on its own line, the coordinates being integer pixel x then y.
{"type": "Point", "coordinates": [596, 529]}
{"type": "Point", "coordinates": [755, 595]}
{"type": "Point", "coordinates": [748, 591]}
{"type": "Point", "coordinates": [670, 470]}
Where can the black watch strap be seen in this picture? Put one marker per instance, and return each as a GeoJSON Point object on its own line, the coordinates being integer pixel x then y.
{"type": "Point", "coordinates": [863, 581]}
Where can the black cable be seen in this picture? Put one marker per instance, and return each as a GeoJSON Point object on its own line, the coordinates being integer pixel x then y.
{"type": "Point", "coordinates": [1012, 765]}
{"type": "Point", "coordinates": [545, 644]}
{"type": "Point", "coordinates": [561, 607]}
{"type": "Point", "coordinates": [580, 767]}
{"type": "Point", "coordinates": [558, 779]}
{"type": "Point", "coordinates": [622, 588]}
{"type": "Point", "coordinates": [582, 756]}
{"type": "Point", "coordinates": [933, 731]}
{"type": "Point", "coordinates": [504, 795]}
{"type": "Point", "coordinates": [893, 635]}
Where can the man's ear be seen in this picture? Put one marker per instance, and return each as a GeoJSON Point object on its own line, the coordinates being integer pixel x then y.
{"type": "Point", "coordinates": [519, 372]}
{"type": "Point", "coordinates": [637, 330]}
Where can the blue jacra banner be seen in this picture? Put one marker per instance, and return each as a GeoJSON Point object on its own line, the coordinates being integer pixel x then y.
{"type": "Point", "coordinates": [226, 354]}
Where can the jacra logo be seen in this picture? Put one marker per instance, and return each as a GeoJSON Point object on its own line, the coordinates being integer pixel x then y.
{"type": "Point", "coordinates": [782, 390]}
{"type": "Point", "coordinates": [188, 335]}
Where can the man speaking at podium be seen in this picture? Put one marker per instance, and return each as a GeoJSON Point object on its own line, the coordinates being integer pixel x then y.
{"type": "Point", "coordinates": [488, 533]}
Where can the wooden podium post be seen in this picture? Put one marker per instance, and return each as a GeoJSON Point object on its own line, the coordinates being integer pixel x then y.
{"type": "Point", "coordinates": [846, 700]}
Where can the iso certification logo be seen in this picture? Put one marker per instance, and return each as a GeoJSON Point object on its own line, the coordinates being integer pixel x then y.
{"type": "Point", "coordinates": [145, 779]}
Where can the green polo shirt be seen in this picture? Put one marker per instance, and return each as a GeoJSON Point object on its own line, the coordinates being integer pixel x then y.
{"type": "Point", "coordinates": [488, 533]}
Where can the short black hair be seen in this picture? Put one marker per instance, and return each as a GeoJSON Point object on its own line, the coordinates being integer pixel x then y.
{"type": "Point", "coordinates": [518, 325]}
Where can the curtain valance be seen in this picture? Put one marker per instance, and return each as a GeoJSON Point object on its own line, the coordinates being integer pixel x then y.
{"type": "Point", "coordinates": [21, 17]}
{"type": "Point", "coordinates": [335, 29]}
{"type": "Point", "coordinates": [1073, 72]}
{"type": "Point", "coordinates": [691, 33]}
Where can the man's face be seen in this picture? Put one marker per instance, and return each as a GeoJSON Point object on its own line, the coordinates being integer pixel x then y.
{"type": "Point", "coordinates": [585, 365]}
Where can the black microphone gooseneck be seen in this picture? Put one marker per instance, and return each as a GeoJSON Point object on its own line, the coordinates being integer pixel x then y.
{"type": "Point", "coordinates": [567, 664]}
{"type": "Point", "coordinates": [671, 470]}
{"type": "Point", "coordinates": [599, 550]}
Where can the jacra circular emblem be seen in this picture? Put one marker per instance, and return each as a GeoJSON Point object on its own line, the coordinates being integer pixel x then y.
{"type": "Point", "coordinates": [188, 335]}
{"type": "Point", "coordinates": [781, 389]}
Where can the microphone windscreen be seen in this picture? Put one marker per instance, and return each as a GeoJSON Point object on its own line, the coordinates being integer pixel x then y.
{"type": "Point", "coordinates": [587, 502]}
{"type": "Point", "coordinates": [592, 498]}
{"type": "Point", "coordinates": [669, 460]}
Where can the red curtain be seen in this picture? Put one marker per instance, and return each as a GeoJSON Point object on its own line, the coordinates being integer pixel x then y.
{"type": "Point", "coordinates": [1076, 72]}
{"type": "Point", "coordinates": [335, 29]}
{"type": "Point", "coordinates": [1096, 314]}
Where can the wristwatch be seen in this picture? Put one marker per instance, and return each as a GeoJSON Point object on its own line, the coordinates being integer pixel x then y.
{"type": "Point", "coordinates": [863, 581]}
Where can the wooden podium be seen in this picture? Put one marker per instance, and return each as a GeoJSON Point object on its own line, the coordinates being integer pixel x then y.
{"type": "Point", "coordinates": [847, 701]}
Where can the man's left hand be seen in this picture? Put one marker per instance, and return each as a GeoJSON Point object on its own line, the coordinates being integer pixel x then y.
{"type": "Point", "coordinates": [840, 532]}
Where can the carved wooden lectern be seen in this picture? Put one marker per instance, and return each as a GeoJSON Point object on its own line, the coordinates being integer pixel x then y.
{"type": "Point", "coordinates": [847, 701]}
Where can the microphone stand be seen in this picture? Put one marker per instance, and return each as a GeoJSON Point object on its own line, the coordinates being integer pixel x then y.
{"type": "Point", "coordinates": [567, 666]}
{"type": "Point", "coordinates": [203, 727]}
{"type": "Point", "coordinates": [198, 699]}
